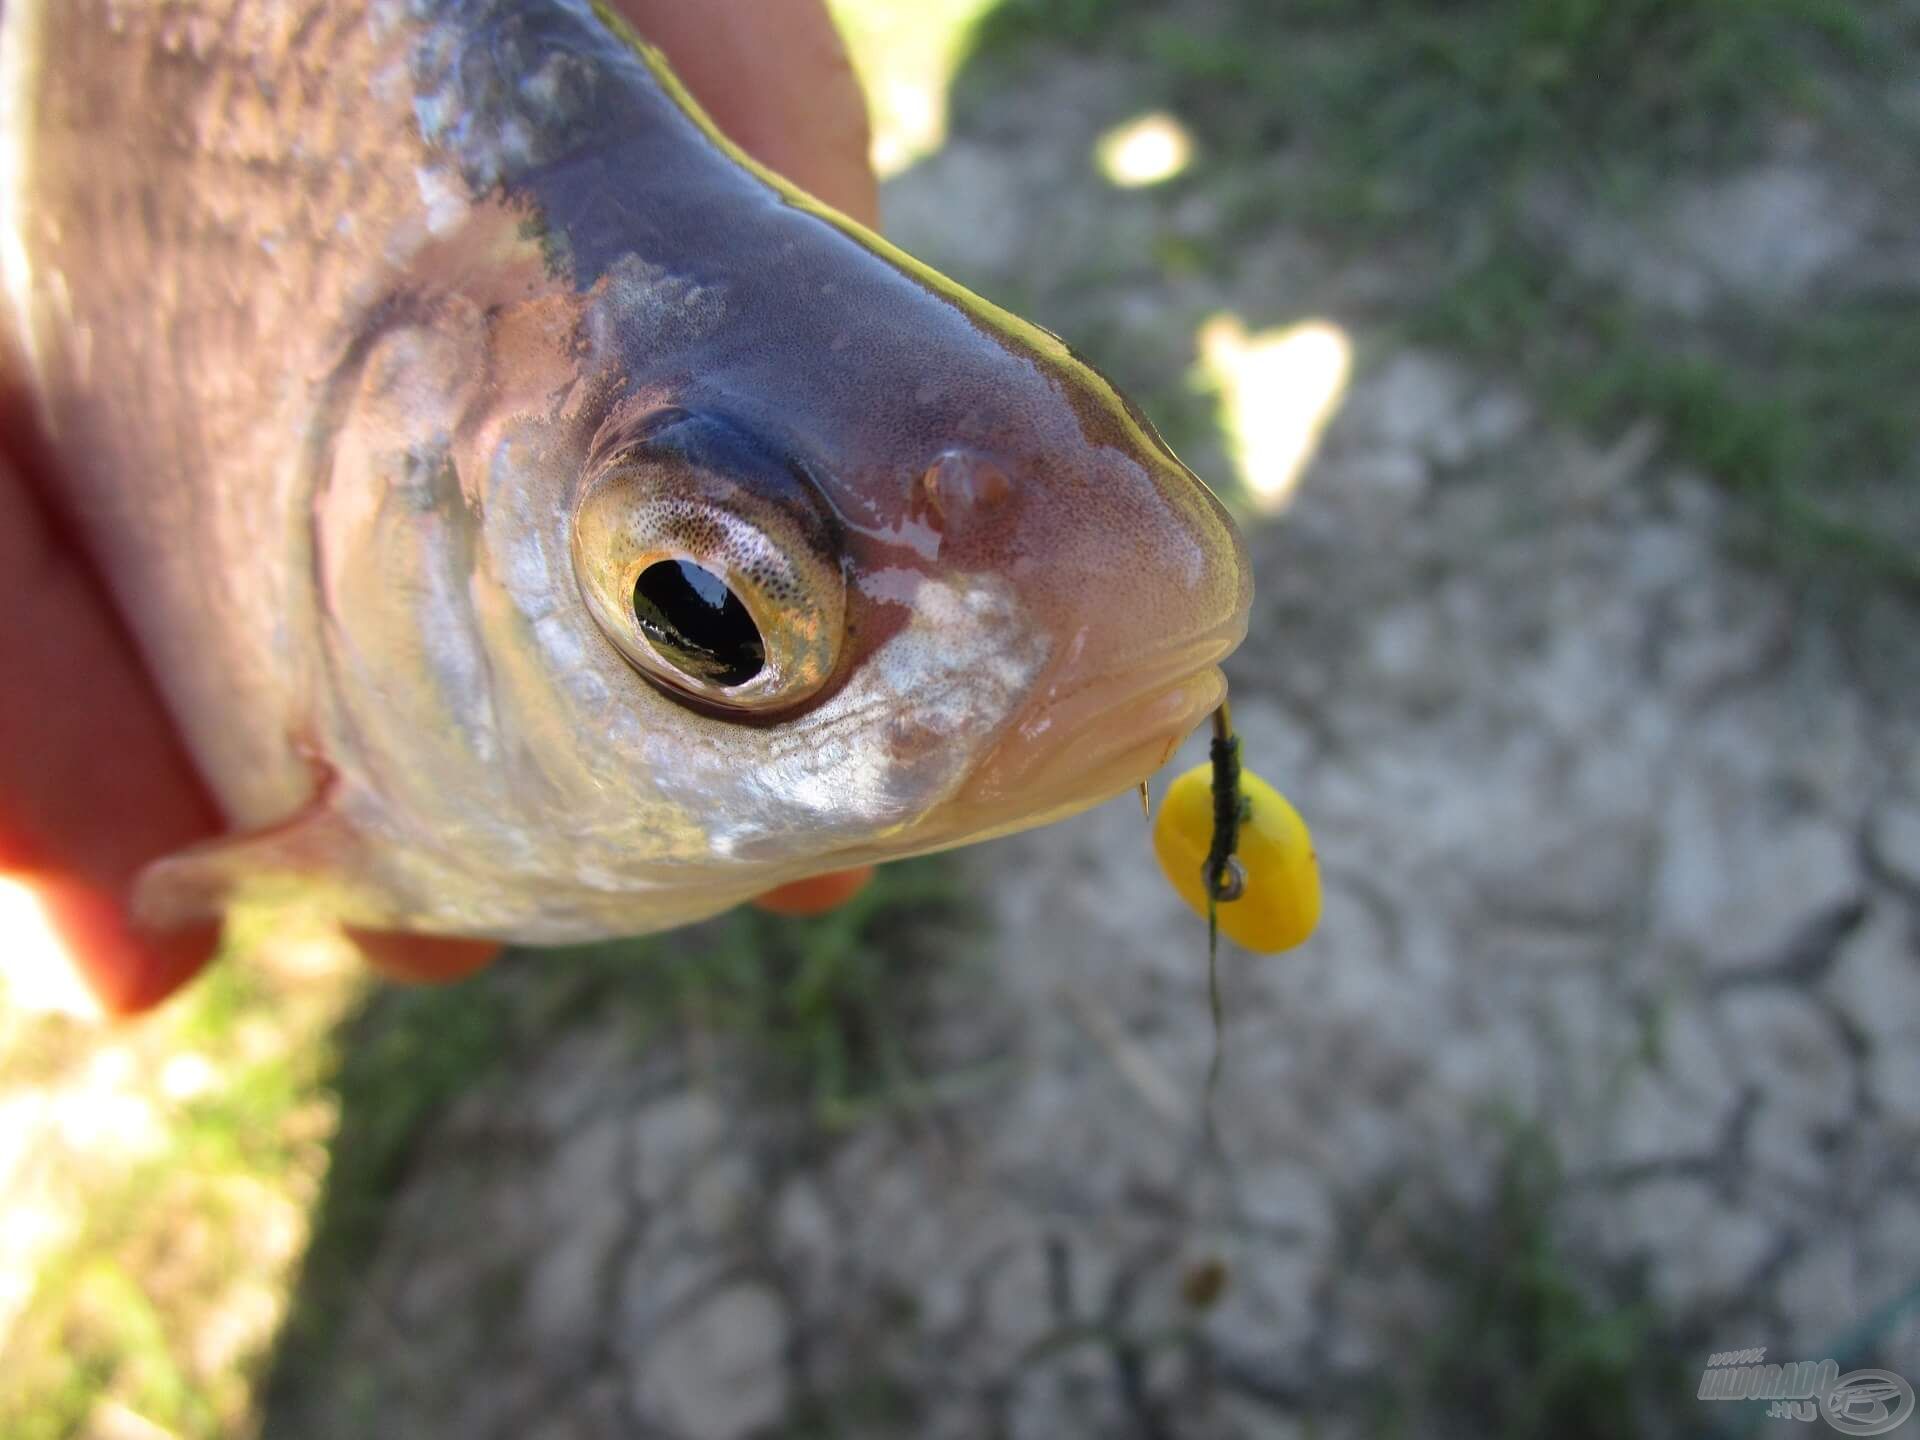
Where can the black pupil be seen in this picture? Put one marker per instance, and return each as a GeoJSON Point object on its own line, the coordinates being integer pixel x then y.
{"type": "Point", "coordinates": [697, 623]}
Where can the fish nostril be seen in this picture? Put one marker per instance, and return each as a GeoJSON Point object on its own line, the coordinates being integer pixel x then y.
{"type": "Point", "coordinates": [958, 487]}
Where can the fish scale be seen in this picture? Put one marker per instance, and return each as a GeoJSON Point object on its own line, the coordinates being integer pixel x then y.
{"type": "Point", "coordinates": [235, 211]}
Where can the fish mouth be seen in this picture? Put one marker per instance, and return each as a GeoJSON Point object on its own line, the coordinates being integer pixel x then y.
{"type": "Point", "coordinates": [1106, 736]}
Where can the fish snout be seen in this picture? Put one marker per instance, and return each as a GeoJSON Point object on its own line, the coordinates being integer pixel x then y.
{"type": "Point", "coordinates": [1143, 584]}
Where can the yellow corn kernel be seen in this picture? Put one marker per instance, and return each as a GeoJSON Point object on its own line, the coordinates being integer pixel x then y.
{"type": "Point", "coordinates": [1281, 902]}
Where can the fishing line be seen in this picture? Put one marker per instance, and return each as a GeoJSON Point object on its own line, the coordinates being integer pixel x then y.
{"type": "Point", "coordinates": [1225, 880]}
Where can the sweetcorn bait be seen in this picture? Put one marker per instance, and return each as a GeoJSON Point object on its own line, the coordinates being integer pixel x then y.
{"type": "Point", "coordinates": [1279, 882]}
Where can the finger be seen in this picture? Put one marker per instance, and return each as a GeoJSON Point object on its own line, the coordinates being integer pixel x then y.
{"type": "Point", "coordinates": [817, 894]}
{"type": "Point", "coordinates": [776, 79]}
{"type": "Point", "coordinates": [93, 781]}
{"type": "Point", "coordinates": [423, 959]}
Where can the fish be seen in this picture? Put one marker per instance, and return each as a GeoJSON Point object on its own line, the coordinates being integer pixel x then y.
{"type": "Point", "coordinates": [544, 522]}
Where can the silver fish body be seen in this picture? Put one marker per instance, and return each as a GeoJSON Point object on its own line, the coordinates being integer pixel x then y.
{"type": "Point", "coordinates": [397, 351]}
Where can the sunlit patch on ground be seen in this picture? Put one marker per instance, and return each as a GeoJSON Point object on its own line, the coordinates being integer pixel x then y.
{"type": "Point", "coordinates": [156, 1180]}
{"type": "Point", "coordinates": [1278, 389]}
{"type": "Point", "coordinates": [34, 976]}
{"type": "Point", "coordinates": [1146, 150]}
{"type": "Point", "coordinates": [906, 55]}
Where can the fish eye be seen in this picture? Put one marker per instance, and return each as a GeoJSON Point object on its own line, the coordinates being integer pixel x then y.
{"type": "Point", "coordinates": [695, 621]}
{"type": "Point", "coordinates": [711, 561]}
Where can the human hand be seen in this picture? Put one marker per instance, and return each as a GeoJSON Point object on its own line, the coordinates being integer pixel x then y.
{"type": "Point", "coordinates": [94, 780]}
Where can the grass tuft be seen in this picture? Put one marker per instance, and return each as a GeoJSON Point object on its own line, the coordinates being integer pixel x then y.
{"type": "Point", "coordinates": [1534, 1344]}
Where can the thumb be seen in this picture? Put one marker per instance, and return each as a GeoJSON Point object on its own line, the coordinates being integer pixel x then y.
{"type": "Point", "coordinates": [93, 780]}
{"type": "Point", "coordinates": [776, 79]}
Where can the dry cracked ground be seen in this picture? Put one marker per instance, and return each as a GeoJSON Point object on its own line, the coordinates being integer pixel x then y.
{"type": "Point", "coordinates": [1606, 1054]}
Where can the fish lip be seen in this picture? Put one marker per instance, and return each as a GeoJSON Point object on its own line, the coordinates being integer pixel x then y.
{"type": "Point", "coordinates": [1106, 735]}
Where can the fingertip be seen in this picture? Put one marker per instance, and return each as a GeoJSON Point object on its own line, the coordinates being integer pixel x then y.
{"type": "Point", "coordinates": [817, 894]}
{"type": "Point", "coordinates": [778, 81]}
{"type": "Point", "coordinates": [94, 783]}
{"type": "Point", "coordinates": [423, 959]}
{"type": "Point", "coordinates": [75, 935]}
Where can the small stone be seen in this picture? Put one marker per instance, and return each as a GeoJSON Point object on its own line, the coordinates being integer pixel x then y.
{"type": "Point", "coordinates": [585, 1168]}
{"type": "Point", "coordinates": [593, 1412]}
{"type": "Point", "coordinates": [804, 1233]}
{"type": "Point", "coordinates": [1722, 1245]}
{"type": "Point", "coordinates": [1072, 1393]}
{"type": "Point", "coordinates": [1583, 880]}
{"type": "Point", "coordinates": [564, 1294]}
{"type": "Point", "coordinates": [1876, 980]}
{"type": "Point", "coordinates": [1771, 231]}
{"type": "Point", "coordinates": [720, 1372]}
{"type": "Point", "coordinates": [1793, 1058]}
{"type": "Point", "coordinates": [1658, 1124]}
{"type": "Point", "coordinates": [580, 1202]}
{"type": "Point", "coordinates": [1893, 1239]}
{"type": "Point", "coordinates": [721, 1194]}
{"type": "Point", "coordinates": [1662, 555]}
{"type": "Point", "coordinates": [1894, 1075]}
{"type": "Point", "coordinates": [1016, 1308]}
{"type": "Point", "coordinates": [1895, 839]}
{"type": "Point", "coordinates": [669, 1271]}
{"type": "Point", "coordinates": [670, 1136]}
{"type": "Point", "coordinates": [1287, 1196]}
{"type": "Point", "coordinates": [1414, 402]}
{"type": "Point", "coordinates": [1740, 881]}
{"type": "Point", "coordinates": [1237, 1416]}
{"type": "Point", "coordinates": [571, 1082]}
{"type": "Point", "coordinates": [1692, 1055]}
{"type": "Point", "coordinates": [1406, 647]}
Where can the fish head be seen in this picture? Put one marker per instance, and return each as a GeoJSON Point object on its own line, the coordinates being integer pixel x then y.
{"type": "Point", "coordinates": [896, 569]}
{"type": "Point", "coordinates": [642, 533]}
{"type": "Point", "coordinates": [737, 546]}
